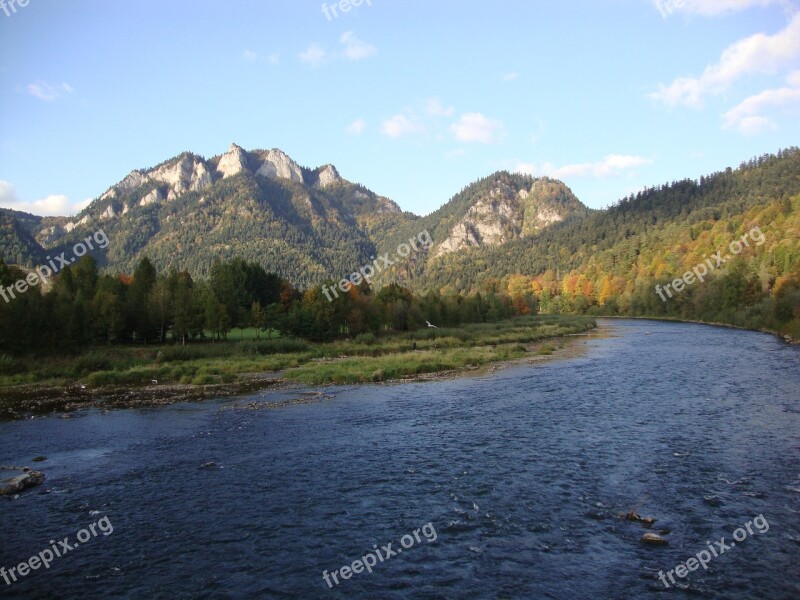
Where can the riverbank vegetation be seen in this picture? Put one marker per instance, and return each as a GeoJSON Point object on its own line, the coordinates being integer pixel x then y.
{"type": "Point", "coordinates": [158, 374]}
{"type": "Point", "coordinates": [96, 331]}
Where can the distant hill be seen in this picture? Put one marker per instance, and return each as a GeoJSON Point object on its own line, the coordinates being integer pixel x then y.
{"type": "Point", "coordinates": [187, 212]}
{"type": "Point", "coordinates": [308, 225]}
{"type": "Point", "coordinates": [644, 235]}
{"type": "Point", "coordinates": [484, 217]}
{"type": "Point", "coordinates": [17, 243]}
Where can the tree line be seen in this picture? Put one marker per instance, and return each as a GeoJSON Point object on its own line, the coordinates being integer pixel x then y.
{"type": "Point", "coordinates": [83, 307]}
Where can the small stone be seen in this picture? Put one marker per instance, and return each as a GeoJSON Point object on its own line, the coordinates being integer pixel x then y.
{"type": "Point", "coordinates": [633, 516]}
{"type": "Point", "coordinates": [27, 479]}
{"type": "Point", "coordinates": [653, 538]}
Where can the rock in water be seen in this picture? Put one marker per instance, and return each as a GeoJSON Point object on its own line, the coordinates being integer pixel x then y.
{"type": "Point", "coordinates": [633, 516]}
{"type": "Point", "coordinates": [27, 478]}
{"type": "Point", "coordinates": [654, 538]}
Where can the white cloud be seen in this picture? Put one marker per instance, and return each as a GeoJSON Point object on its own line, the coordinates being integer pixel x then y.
{"type": "Point", "coordinates": [475, 127]}
{"type": "Point", "coordinates": [53, 205]}
{"type": "Point", "coordinates": [434, 108]}
{"type": "Point", "coordinates": [314, 55]}
{"type": "Point", "coordinates": [708, 8]}
{"type": "Point", "coordinates": [7, 194]}
{"type": "Point", "coordinates": [251, 56]}
{"type": "Point", "coordinates": [510, 76]}
{"type": "Point", "coordinates": [612, 165]}
{"type": "Point", "coordinates": [747, 117]}
{"type": "Point", "coordinates": [759, 53]}
{"type": "Point", "coordinates": [356, 127]}
{"type": "Point", "coordinates": [355, 49]}
{"type": "Point", "coordinates": [48, 92]}
{"type": "Point", "coordinates": [401, 125]}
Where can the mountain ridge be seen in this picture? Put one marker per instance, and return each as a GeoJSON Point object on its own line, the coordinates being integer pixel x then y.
{"type": "Point", "coordinates": [313, 225]}
{"type": "Point", "coordinates": [306, 224]}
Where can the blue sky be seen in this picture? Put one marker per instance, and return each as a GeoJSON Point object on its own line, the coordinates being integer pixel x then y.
{"type": "Point", "coordinates": [414, 98]}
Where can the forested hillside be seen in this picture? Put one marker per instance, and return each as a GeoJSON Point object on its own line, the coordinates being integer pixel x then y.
{"type": "Point", "coordinates": [611, 261]}
{"type": "Point", "coordinates": [187, 212]}
{"type": "Point", "coordinates": [17, 245]}
{"type": "Point", "coordinates": [528, 240]}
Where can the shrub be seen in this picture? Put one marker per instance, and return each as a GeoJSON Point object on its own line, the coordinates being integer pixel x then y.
{"type": "Point", "coordinates": [365, 338]}
{"type": "Point", "coordinates": [8, 365]}
{"type": "Point", "coordinates": [546, 350]}
{"type": "Point", "coordinates": [101, 378]}
{"type": "Point", "coordinates": [92, 362]}
{"type": "Point", "coordinates": [277, 346]}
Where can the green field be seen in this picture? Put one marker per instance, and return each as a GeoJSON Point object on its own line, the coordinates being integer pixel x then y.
{"type": "Point", "coordinates": [366, 358]}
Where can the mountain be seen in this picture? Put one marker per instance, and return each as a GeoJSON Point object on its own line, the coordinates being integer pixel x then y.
{"type": "Point", "coordinates": [17, 242]}
{"type": "Point", "coordinates": [501, 233]}
{"type": "Point", "coordinates": [188, 211]}
{"type": "Point", "coordinates": [503, 208]}
{"type": "Point", "coordinates": [647, 235]}
{"type": "Point", "coordinates": [527, 240]}
{"type": "Point", "coordinates": [306, 224]}
{"type": "Point", "coordinates": [485, 216]}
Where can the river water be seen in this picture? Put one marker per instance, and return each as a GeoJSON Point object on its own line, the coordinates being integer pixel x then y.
{"type": "Point", "coordinates": [513, 481]}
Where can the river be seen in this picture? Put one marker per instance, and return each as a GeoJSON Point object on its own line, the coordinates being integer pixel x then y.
{"type": "Point", "coordinates": [514, 482]}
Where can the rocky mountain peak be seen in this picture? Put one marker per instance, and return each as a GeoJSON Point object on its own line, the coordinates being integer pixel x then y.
{"type": "Point", "coordinates": [328, 176]}
{"type": "Point", "coordinates": [276, 164]}
{"type": "Point", "coordinates": [234, 161]}
{"type": "Point", "coordinates": [508, 210]}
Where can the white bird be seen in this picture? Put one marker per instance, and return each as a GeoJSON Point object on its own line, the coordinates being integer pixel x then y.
{"type": "Point", "coordinates": [429, 325]}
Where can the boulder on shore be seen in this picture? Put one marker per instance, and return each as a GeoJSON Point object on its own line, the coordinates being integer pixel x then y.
{"type": "Point", "coordinates": [26, 478]}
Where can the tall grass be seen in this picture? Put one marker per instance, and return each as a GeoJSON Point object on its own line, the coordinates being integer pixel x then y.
{"type": "Point", "coordinates": [366, 358]}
